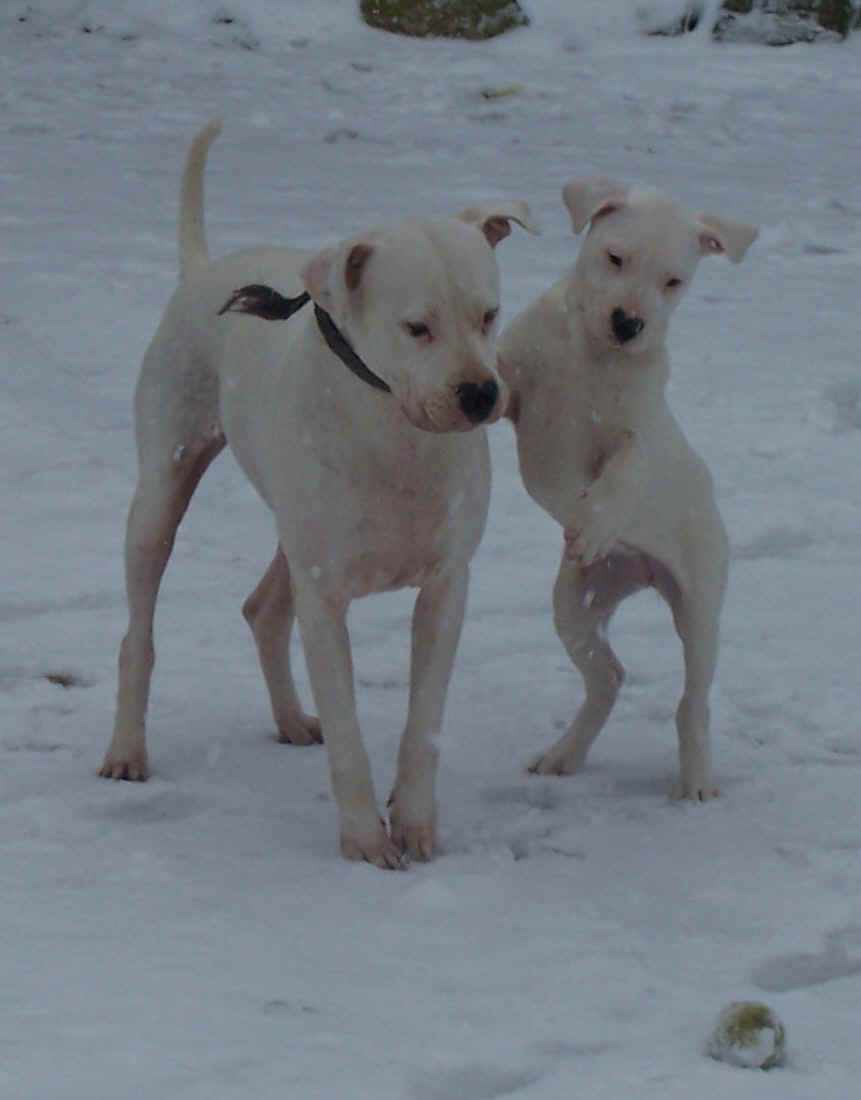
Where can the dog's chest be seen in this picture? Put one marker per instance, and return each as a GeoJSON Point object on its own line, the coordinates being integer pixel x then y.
{"type": "Point", "coordinates": [382, 521]}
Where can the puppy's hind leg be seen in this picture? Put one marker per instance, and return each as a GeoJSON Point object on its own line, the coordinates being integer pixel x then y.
{"type": "Point", "coordinates": [584, 599]}
{"type": "Point", "coordinates": [696, 614]}
{"type": "Point", "coordinates": [270, 613]}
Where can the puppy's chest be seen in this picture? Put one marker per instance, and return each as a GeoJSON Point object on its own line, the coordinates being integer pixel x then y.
{"type": "Point", "coordinates": [564, 440]}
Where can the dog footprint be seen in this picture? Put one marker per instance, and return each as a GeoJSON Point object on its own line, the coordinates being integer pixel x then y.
{"type": "Point", "coordinates": [151, 804]}
{"type": "Point", "coordinates": [471, 1082]}
{"type": "Point", "coordinates": [785, 973]}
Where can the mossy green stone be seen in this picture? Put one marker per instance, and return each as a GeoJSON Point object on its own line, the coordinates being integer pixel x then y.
{"type": "Point", "coordinates": [474, 19]}
{"type": "Point", "coordinates": [750, 1035]}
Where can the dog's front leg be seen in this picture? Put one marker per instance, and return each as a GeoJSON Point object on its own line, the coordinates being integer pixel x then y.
{"type": "Point", "coordinates": [437, 622]}
{"type": "Point", "coordinates": [323, 623]}
{"type": "Point", "coordinates": [604, 508]}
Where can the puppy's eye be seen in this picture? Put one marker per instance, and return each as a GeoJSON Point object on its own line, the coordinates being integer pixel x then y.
{"type": "Point", "coordinates": [615, 259]}
{"type": "Point", "coordinates": [488, 319]}
{"type": "Point", "coordinates": [418, 330]}
{"type": "Point", "coordinates": [672, 284]}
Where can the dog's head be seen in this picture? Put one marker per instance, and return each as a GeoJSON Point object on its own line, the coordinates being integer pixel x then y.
{"type": "Point", "coordinates": [638, 257]}
{"type": "Point", "coordinates": [418, 299]}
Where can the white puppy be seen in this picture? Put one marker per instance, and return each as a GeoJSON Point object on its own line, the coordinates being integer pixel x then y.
{"type": "Point", "coordinates": [376, 481]}
{"type": "Point", "coordinates": [600, 450]}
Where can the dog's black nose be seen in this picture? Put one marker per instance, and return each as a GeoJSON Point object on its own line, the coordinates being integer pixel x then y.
{"type": "Point", "coordinates": [476, 402]}
{"type": "Point", "coordinates": [625, 328]}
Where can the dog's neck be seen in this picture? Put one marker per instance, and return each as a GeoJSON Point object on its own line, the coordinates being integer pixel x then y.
{"type": "Point", "coordinates": [263, 301]}
{"type": "Point", "coordinates": [341, 346]}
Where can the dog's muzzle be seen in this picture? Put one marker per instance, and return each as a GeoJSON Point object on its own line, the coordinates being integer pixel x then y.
{"type": "Point", "coordinates": [625, 328]}
{"type": "Point", "coordinates": [477, 401]}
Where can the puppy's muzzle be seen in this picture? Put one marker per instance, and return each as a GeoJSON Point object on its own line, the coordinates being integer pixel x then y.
{"type": "Point", "coordinates": [477, 401]}
{"type": "Point", "coordinates": [625, 328]}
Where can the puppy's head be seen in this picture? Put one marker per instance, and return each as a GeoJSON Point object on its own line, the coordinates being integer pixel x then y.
{"type": "Point", "coordinates": [418, 300]}
{"type": "Point", "coordinates": [638, 257]}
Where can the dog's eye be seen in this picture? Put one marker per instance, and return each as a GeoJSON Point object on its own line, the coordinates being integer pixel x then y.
{"type": "Point", "coordinates": [615, 259]}
{"type": "Point", "coordinates": [418, 330]}
{"type": "Point", "coordinates": [672, 284]}
{"type": "Point", "coordinates": [488, 318]}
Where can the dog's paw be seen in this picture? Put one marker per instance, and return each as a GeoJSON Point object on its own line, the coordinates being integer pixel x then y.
{"type": "Point", "coordinates": [373, 845]}
{"type": "Point", "coordinates": [131, 766]}
{"type": "Point", "coordinates": [594, 528]}
{"type": "Point", "coordinates": [300, 729]}
{"type": "Point", "coordinates": [417, 842]}
{"type": "Point", "coordinates": [553, 762]}
{"type": "Point", "coordinates": [695, 792]}
{"type": "Point", "coordinates": [413, 829]}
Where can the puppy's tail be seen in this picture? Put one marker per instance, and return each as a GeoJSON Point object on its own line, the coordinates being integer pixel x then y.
{"type": "Point", "coordinates": [193, 252]}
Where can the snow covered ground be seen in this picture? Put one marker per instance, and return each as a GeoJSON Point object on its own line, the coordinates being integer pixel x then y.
{"type": "Point", "coordinates": [197, 937]}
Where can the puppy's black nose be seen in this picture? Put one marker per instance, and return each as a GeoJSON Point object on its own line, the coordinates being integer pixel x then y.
{"type": "Point", "coordinates": [476, 402]}
{"type": "Point", "coordinates": [625, 328]}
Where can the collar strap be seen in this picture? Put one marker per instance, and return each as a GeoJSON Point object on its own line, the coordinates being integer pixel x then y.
{"type": "Point", "coordinates": [342, 347]}
{"type": "Point", "coordinates": [263, 301]}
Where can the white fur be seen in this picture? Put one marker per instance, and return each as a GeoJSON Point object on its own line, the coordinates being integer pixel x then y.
{"type": "Point", "coordinates": [370, 490]}
{"type": "Point", "coordinates": [600, 450]}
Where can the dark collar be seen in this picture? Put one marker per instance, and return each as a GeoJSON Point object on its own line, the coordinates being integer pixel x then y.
{"type": "Point", "coordinates": [263, 301]}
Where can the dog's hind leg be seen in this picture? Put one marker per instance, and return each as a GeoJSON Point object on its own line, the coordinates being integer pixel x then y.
{"type": "Point", "coordinates": [270, 613]}
{"type": "Point", "coordinates": [178, 434]}
{"type": "Point", "coordinates": [584, 599]}
{"type": "Point", "coordinates": [158, 505]}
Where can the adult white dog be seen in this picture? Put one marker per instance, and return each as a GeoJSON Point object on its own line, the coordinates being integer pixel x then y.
{"type": "Point", "coordinates": [600, 450]}
{"type": "Point", "coordinates": [378, 475]}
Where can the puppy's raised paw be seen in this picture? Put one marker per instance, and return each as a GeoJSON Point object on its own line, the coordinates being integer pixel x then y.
{"type": "Point", "coordinates": [594, 529]}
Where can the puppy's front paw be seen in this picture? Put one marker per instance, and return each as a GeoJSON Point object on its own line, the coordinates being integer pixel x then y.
{"type": "Point", "coordinates": [594, 529]}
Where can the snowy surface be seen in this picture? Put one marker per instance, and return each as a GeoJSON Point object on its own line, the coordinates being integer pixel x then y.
{"type": "Point", "coordinates": [197, 937]}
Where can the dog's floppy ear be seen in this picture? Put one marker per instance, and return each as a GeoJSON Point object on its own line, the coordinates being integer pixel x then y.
{"type": "Point", "coordinates": [591, 198]}
{"type": "Point", "coordinates": [719, 234]}
{"type": "Point", "coordinates": [318, 272]}
{"type": "Point", "coordinates": [494, 219]}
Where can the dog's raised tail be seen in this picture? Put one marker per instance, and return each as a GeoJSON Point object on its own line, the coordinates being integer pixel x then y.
{"type": "Point", "coordinates": [193, 252]}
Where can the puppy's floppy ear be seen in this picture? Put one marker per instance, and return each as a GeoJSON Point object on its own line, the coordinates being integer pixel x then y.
{"type": "Point", "coordinates": [719, 234]}
{"type": "Point", "coordinates": [319, 272]}
{"type": "Point", "coordinates": [591, 198]}
{"type": "Point", "coordinates": [494, 219]}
